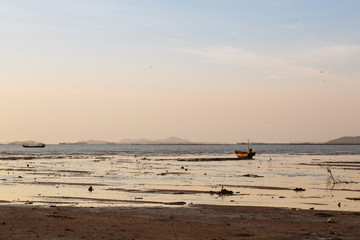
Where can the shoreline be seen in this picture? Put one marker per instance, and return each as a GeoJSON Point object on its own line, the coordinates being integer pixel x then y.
{"type": "Point", "coordinates": [190, 222]}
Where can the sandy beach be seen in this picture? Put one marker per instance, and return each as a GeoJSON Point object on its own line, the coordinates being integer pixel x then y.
{"type": "Point", "coordinates": [45, 195]}
{"type": "Point", "coordinates": [193, 222]}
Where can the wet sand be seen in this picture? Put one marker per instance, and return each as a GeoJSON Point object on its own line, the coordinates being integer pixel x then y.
{"type": "Point", "coordinates": [190, 222]}
{"type": "Point", "coordinates": [268, 180]}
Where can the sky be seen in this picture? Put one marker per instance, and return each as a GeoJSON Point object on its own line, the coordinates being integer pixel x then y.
{"type": "Point", "coordinates": [204, 70]}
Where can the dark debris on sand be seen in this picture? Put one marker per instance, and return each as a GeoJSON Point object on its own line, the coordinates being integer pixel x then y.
{"type": "Point", "coordinates": [223, 192]}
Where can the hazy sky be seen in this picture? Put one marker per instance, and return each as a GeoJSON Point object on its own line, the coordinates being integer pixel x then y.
{"type": "Point", "coordinates": [204, 70]}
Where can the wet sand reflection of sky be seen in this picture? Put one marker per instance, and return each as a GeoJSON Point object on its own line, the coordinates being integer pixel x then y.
{"type": "Point", "coordinates": [269, 180]}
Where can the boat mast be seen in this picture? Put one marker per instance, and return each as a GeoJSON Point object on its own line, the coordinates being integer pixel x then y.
{"type": "Point", "coordinates": [248, 146]}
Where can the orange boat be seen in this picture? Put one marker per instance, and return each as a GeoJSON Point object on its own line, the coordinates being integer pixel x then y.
{"type": "Point", "coordinates": [245, 155]}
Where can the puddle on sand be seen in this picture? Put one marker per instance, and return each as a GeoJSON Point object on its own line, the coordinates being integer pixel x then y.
{"type": "Point", "coordinates": [268, 180]}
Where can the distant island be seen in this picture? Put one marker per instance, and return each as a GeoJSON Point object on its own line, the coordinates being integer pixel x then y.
{"type": "Point", "coordinates": [345, 140]}
{"type": "Point", "coordinates": [169, 140]}
{"type": "Point", "coordinates": [178, 141]}
{"type": "Point", "coordinates": [28, 142]}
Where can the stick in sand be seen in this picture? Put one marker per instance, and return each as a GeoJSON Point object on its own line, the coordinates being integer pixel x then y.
{"type": "Point", "coordinates": [329, 171]}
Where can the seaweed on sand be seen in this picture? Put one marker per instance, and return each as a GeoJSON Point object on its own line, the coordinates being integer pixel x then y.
{"type": "Point", "coordinates": [223, 192]}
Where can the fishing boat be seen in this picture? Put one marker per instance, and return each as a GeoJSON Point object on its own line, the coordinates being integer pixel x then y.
{"type": "Point", "coordinates": [245, 155]}
{"type": "Point", "coordinates": [37, 145]}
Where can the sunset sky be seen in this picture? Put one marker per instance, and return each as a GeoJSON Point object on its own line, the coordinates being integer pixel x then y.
{"type": "Point", "coordinates": [205, 70]}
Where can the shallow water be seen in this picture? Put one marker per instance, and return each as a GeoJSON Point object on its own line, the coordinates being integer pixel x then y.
{"type": "Point", "coordinates": [171, 175]}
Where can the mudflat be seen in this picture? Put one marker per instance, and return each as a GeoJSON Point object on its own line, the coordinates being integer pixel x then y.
{"type": "Point", "coordinates": [185, 222]}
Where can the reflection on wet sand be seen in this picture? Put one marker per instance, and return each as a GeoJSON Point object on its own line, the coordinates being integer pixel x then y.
{"type": "Point", "coordinates": [268, 180]}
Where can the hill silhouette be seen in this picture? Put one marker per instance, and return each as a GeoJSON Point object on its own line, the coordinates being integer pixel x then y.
{"type": "Point", "coordinates": [345, 140]}
{"type": "Point", "coordinates": [169, 140]}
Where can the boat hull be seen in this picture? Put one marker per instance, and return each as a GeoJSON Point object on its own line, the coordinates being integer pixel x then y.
{"type": "Point", "coordinates": [33, 146]}
{"type": "Point", "coordinates": [245, 155]}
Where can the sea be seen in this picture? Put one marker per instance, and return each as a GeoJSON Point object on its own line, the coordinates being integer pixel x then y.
{"type": "Point", "coordinates": [294, 176]}
{"type": "Point", "coordinates": [180, 150]}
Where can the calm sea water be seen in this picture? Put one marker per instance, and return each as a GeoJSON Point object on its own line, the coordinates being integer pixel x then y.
{"type": "Point", "coordinates": [178, 150]}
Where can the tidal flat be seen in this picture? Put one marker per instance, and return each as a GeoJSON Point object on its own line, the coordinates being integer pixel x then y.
{"type": "Point", "coordinates": [268, 180]}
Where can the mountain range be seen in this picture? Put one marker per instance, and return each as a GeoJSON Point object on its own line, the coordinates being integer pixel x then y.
{"type": "Point", "coordinates": [176, 140]}
{"type": "Point", "coordinates": [169, 140]}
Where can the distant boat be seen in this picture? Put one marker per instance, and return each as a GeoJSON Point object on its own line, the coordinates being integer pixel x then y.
{"type": "Point", "coordinates": [37, 145]}
{"type": "Point", "coordinates": [245, 155]}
